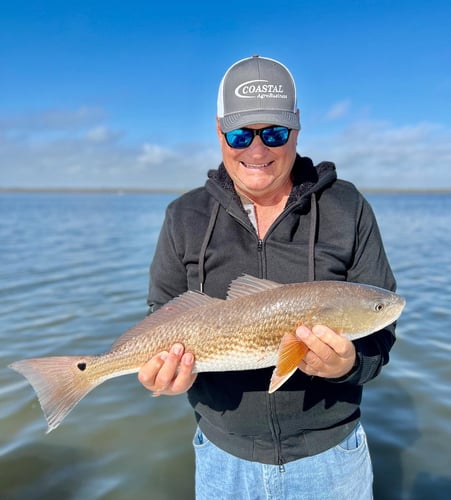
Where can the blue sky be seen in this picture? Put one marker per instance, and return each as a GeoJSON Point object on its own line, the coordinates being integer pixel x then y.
{"type": "Point", "coordinates": [123, 94]}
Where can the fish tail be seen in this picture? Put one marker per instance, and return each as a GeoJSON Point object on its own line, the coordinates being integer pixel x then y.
{"type": "Point", "coordinates": [60, 382]}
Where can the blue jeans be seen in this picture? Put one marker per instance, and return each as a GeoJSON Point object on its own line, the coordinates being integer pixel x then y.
{"type": "Point", "coordinates": [340, 473]}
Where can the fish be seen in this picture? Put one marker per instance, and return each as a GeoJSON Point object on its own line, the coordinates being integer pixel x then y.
{"type": "Point", "coordinates": [254, 327]}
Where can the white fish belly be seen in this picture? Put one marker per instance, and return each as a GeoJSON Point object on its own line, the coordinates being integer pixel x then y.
{"type": "Point", "coordinates": [236, 362]}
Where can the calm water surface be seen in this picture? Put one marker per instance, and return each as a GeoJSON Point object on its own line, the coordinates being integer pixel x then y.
{"type": "Point", "coordinates": [73, 277]}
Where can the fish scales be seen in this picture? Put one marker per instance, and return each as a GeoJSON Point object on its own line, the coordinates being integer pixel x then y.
{"type": "Point", "coordinates": [253, 328]}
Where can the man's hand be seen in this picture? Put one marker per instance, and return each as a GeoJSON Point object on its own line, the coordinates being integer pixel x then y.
{"type": "Point", "coordinates": [330, 355]}
{"type": "Point", "coordinates": [169, 373]}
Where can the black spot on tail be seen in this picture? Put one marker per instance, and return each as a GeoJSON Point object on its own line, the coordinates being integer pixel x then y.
{"type": "Point", "coordinates": [81, 366]}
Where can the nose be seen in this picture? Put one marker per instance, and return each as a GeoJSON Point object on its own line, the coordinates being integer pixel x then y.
{"type": "Point", "coordinates": [257, 148]}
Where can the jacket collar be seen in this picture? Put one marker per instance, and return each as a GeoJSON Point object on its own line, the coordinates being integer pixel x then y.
{"type": "Point", "coordinates": [307, 179]}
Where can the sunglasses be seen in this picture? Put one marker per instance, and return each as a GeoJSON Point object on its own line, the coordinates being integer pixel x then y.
{"type": "Point", "coordinates": [273, 136]}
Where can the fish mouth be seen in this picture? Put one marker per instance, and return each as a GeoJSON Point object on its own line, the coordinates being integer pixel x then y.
{"type": "Point", "coordinates": [256, 166]}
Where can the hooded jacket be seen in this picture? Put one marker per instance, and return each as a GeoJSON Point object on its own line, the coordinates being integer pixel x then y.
{"type": "Point", "coordinates": [327, 231]}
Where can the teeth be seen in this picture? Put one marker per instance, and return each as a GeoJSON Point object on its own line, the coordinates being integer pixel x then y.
{"type": "Point", "coordinates": [255, 165]}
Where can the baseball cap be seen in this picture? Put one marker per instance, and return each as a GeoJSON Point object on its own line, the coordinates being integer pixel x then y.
{"type": "Point", "coordinates": [257, 90]}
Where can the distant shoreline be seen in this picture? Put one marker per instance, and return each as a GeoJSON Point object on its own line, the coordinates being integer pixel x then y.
{"type": "Point", "coordinates": [180, 191]}
{"type": "Point", "coordinates": [93, 190]}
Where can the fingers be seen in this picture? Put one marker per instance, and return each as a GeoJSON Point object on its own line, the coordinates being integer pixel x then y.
{"type": "Point", "coordinates": [168, 372]}
{"type": "Point", "coordinates": [185, 376]}
{"type": "Point", "coordinates": [330, 355]}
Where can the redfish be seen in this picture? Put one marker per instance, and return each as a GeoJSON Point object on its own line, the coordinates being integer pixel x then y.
{"type": "Point", "coordinates": [253, 328]}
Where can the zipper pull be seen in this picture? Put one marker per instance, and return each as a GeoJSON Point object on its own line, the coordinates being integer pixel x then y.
{"type": "Point", "coordinates": [260, 245]}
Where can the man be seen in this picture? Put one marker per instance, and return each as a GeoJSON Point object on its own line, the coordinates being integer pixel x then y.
{"type": "Point", "coordinates": [271, 213]}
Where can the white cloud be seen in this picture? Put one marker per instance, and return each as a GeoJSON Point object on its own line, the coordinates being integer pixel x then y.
{"type": "Point", "coordinates": [152, 154]}
{"type": "Point", "coordinates": [81, 150]}
{"type": "Point", "coordinates": [51, 119]}
{"type": "Point", "coordinates": [380, 154]}
{"type": "Point", "coordinates": [34, 155]}
{"type": "Point", "coordinates": [101, 133]}
{"type": "Point", "coordinates": [338, 110]}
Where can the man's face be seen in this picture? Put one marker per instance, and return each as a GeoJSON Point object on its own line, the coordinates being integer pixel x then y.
{"type": "Point", "coordinates": [258, 171]}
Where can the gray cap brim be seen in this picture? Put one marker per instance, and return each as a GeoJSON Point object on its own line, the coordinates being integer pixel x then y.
{"type": "Point", "coordinates": [277, 117]}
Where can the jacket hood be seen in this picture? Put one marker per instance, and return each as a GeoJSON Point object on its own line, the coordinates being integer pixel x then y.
{"type": "Point", "coordinates": [307, 179]}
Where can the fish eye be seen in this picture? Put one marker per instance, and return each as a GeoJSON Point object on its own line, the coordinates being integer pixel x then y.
{"type": "Point", "coordinates": [379, 307]}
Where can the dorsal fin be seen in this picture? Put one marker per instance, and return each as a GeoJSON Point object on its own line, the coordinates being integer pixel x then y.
{"type": "Point", "coordinates": [248, 285]}
{"type": "Point", "coordinates": [185, 302]}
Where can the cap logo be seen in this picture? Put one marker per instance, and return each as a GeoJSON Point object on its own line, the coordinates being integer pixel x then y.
{"type": "Point", "coordinates": [260, 89]}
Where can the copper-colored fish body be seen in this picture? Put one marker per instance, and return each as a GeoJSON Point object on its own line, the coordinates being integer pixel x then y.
{"type": "Point", "coordinates": [254, 328]}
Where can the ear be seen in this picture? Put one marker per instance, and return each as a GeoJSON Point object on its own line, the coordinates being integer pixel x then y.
{"type": "Point", "coordinates": [294, 134]}
{"type": "Point", "coordinates": [218, 127]}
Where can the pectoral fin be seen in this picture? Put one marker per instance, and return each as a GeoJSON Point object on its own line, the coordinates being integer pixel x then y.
{"type": "Point", "coordinates": [291, 352]}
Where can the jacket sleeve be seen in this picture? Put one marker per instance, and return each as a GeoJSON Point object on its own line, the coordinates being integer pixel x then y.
{"type": "Point", "coordinates": [167, 271]}
{"type": "Point", "coordinates": [370, 266]}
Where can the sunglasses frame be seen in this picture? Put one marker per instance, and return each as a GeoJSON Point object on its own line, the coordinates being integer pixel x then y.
{"type": "Point", "coordinates": [258, 131]}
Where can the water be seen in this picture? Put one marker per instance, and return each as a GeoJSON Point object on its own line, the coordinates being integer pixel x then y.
{"type": "Point", "coordinates": [73, 277]}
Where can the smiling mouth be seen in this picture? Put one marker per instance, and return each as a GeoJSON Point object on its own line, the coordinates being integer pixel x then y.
{"type": "Point", "coordinates": [256, 166]}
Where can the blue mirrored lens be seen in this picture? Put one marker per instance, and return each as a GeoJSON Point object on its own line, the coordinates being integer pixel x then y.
{"type": "Point", "coordinates": [239, 138]}
{"type": "Point", "coordinates": [271, 136]}
{"type": "Point", "coordinates": [275, 136]}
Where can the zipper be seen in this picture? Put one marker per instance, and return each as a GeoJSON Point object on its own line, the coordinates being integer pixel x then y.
{"type": "Point", "coordinates": [249, 228]}
{"type": "Point", "coordinates": [275, 432]}
{"type": "Point", "coordinates": [271, 413]}
{"type": "Point", "coordinates": [260, 242]}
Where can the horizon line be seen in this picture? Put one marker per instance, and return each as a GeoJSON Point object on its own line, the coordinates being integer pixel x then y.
{"type": "Point", "coordinates": [119, 190]}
